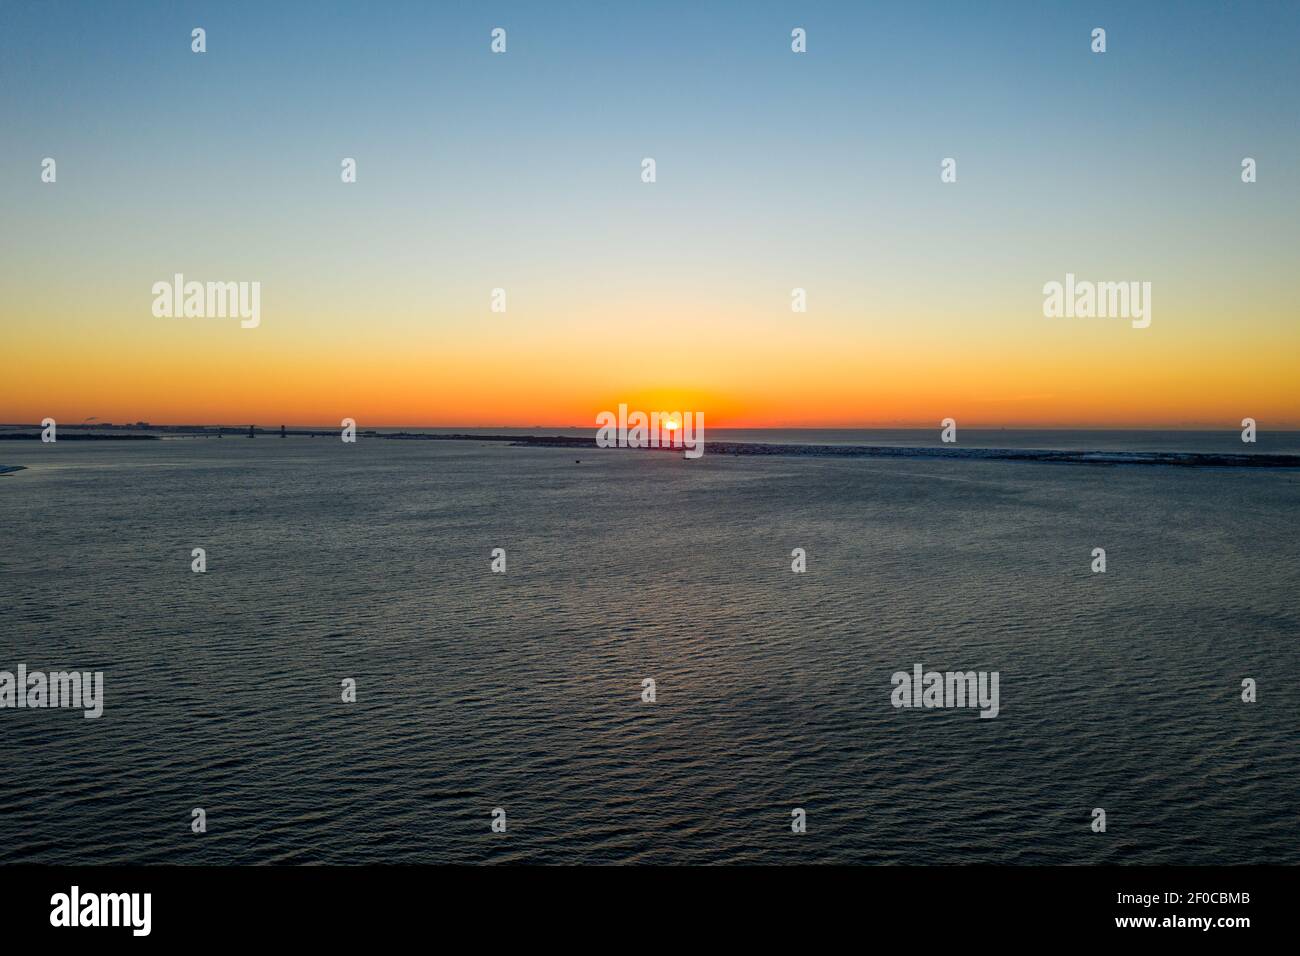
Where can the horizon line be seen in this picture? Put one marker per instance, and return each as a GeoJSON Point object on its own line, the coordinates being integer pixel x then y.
{"type": "Point", "coordinates": [978, 426]}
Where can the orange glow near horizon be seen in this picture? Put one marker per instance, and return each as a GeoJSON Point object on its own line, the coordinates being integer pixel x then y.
{"type": "Point", "coordinates": [404, 394]}
{"type": "Point", "coordinates": [839, 372]}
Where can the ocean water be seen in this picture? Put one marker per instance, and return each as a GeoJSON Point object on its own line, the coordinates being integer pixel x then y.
{"type": "Point", "coordinates": [523, 690]}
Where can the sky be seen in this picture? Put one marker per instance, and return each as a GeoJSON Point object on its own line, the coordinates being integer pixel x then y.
{"type": "Point", "coordinates": [775, 171]}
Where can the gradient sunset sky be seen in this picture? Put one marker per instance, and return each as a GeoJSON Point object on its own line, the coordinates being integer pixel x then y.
{"type": "Point", "coordinates": [775, 171]}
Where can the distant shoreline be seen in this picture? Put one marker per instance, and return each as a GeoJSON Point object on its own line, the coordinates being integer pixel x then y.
{"type": "Point", "coordinates": [777, 449]}
{"type": "Point", "coordinates": [1183, 459]}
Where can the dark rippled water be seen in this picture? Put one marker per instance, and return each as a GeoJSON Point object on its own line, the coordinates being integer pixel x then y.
{"type": "Point", "coordinates": [522, 691]}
